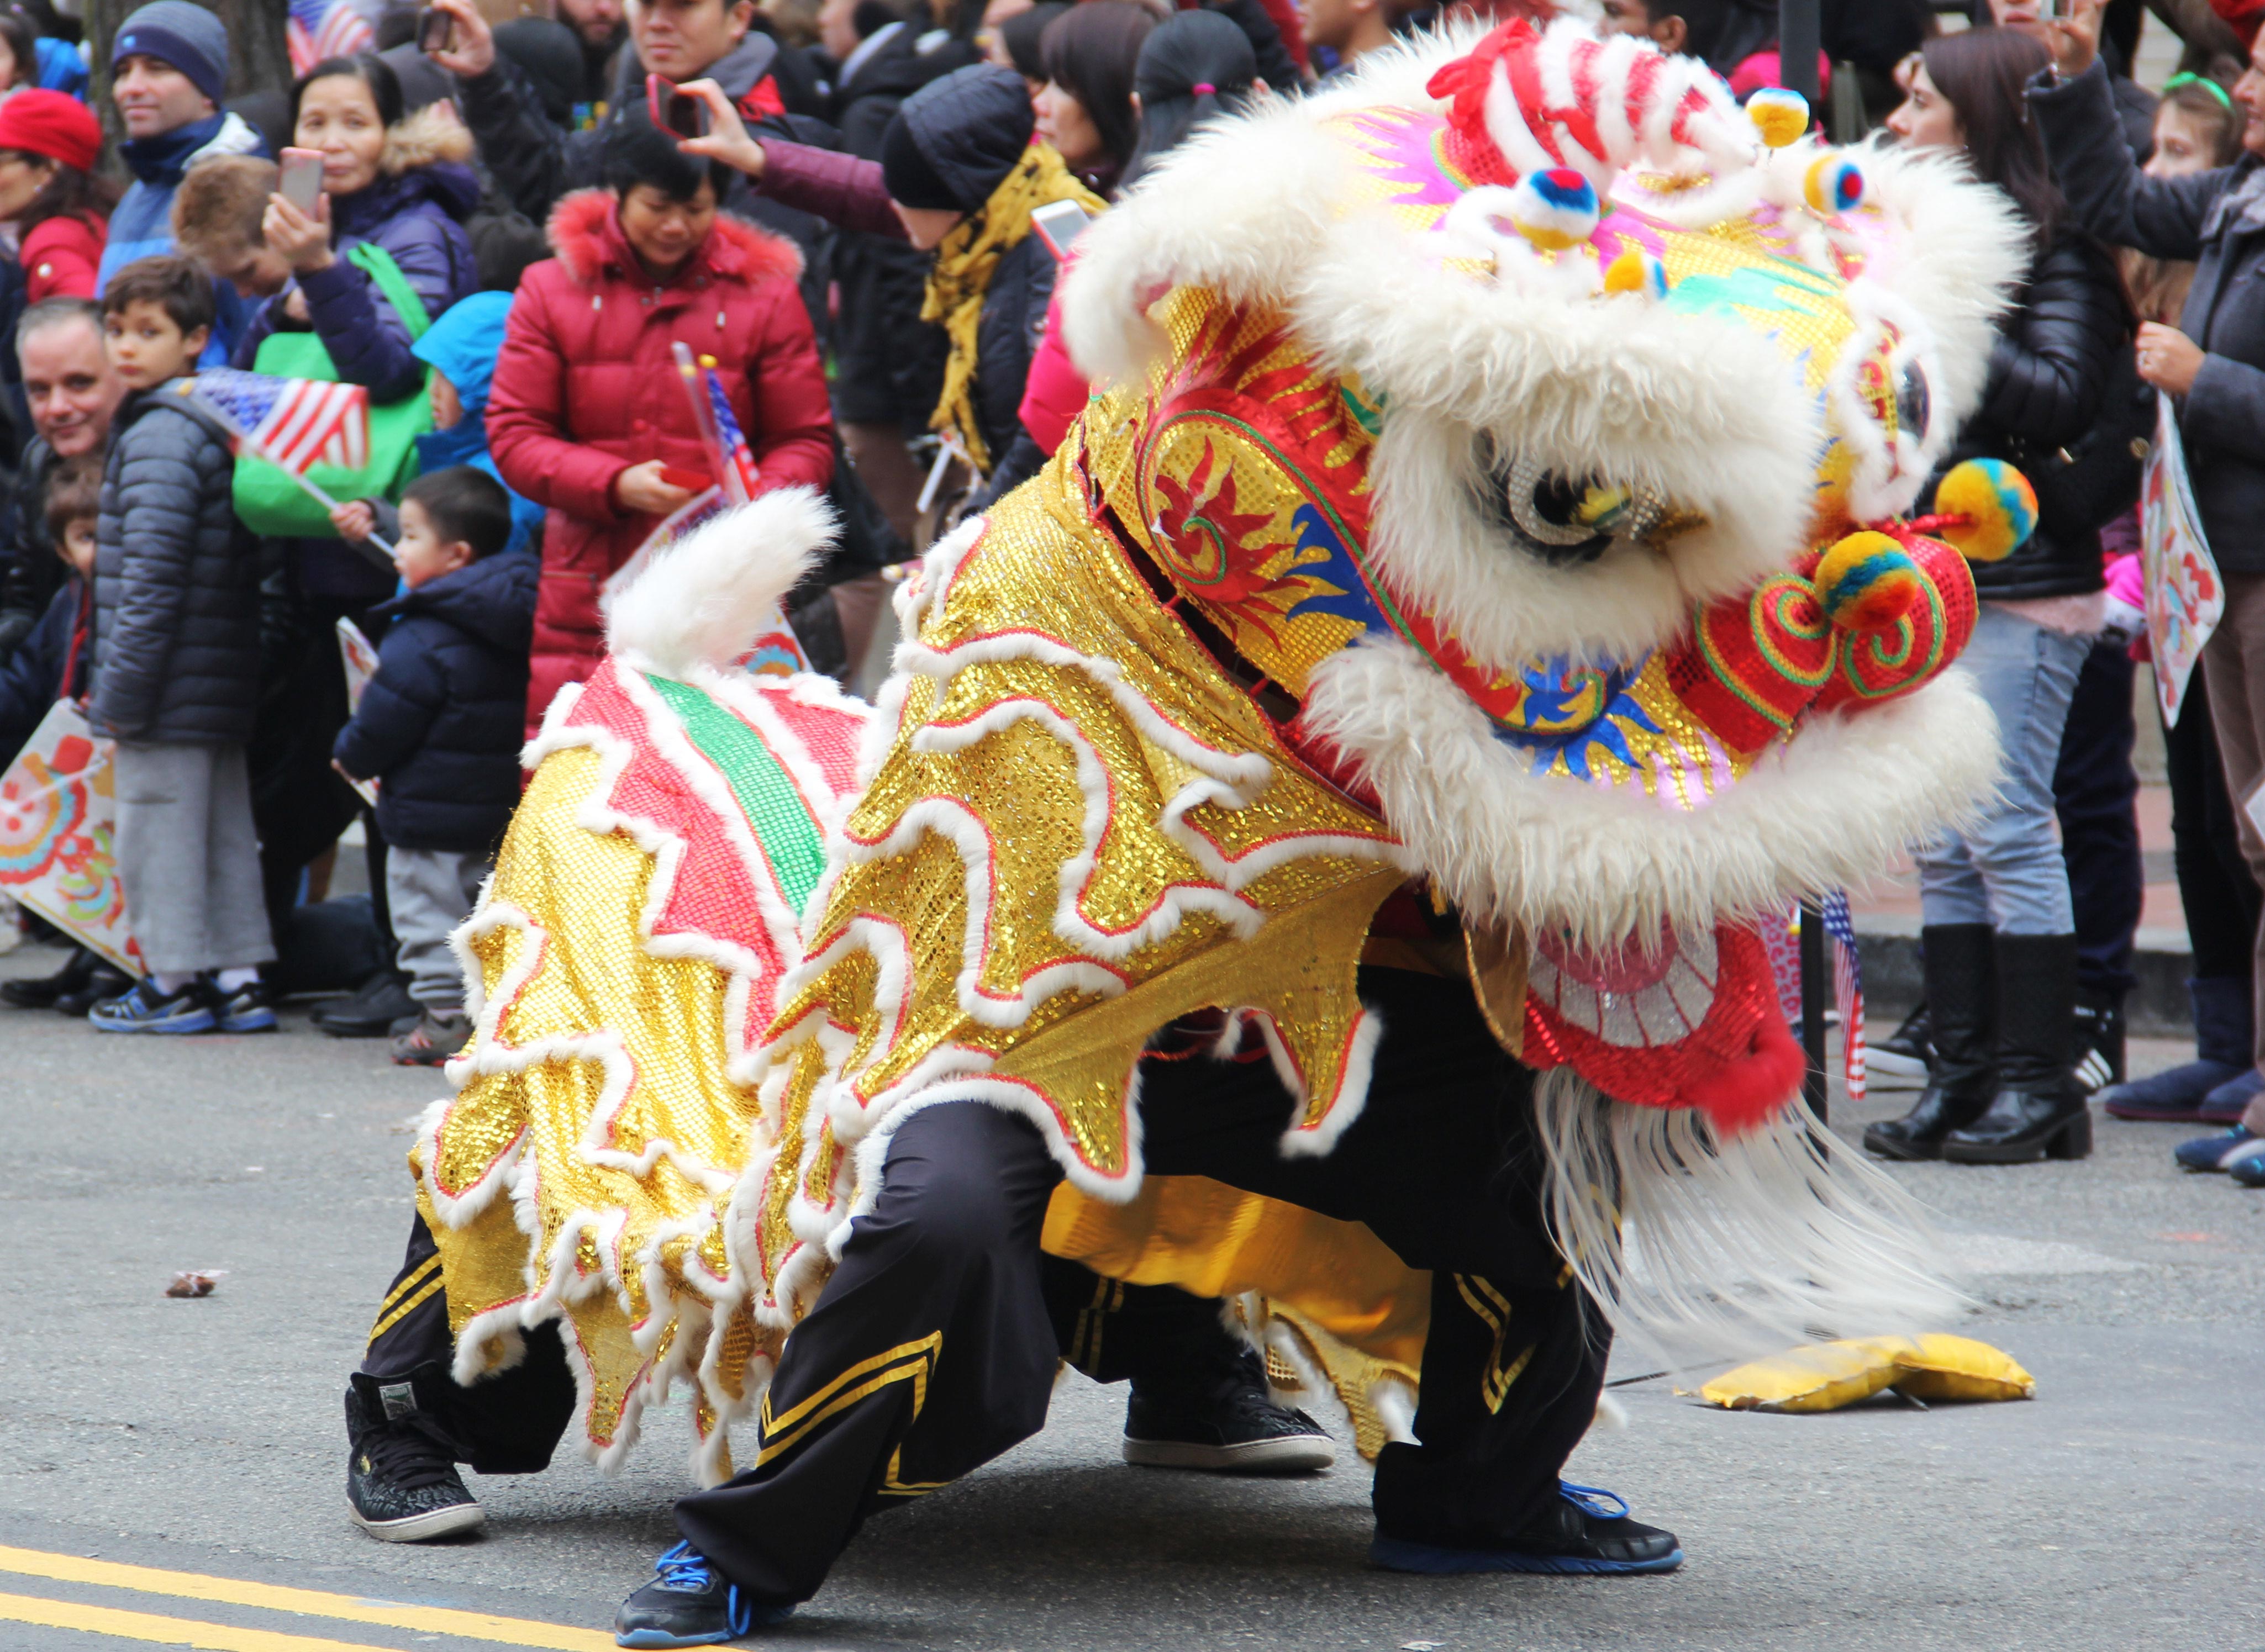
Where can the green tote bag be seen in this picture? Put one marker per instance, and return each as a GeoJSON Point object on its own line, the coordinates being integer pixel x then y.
{"type": "Point", "coordinates": [269, 501]}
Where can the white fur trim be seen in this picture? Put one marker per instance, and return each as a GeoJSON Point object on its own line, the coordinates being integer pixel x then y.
{"type": "Point", "coordinates": [708, 597]}
{"type": "Point", "coordinates": [1829, 808]}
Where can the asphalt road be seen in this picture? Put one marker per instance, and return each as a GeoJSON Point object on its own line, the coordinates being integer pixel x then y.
{"type": "Point", "coordinates": [2119, 1510]}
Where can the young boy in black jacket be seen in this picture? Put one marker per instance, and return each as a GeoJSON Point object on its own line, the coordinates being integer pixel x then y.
{"type": "Point", "coordinates": [177, 671]}
{"type": "Point", "coordinates": [439, 728]}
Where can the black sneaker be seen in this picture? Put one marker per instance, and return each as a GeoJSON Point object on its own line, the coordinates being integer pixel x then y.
{"type": "Point", "coordinates": [39, 992]}
{"type": "Point", "coordinates": [2099, 1059]}
{"type": "Point", "coordinates": [376, 1008]}
{"type": "Point", "coordinates": [1236, 1428]}
{"type": "Point", "coordinates": [690, 1604]}
{"type": "Point", "coordinates": [246, 1010]}
{"type": "Point", "coordinates": [1901, 1060]}
{"type": "Point", "coordinates": [107, 982]}
{"type": "Point", "coordinates": [1581, 1534]}
{"type": "Point", "coordinates": [402, 1484]}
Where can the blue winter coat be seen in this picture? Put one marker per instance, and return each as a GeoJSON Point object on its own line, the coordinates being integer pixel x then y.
{"type": "Point", "coordinates": [415, 213]}
{"type": "Point", "coordinates": [142, 226]}
{"type": "Point", "coordinates": [440, 723]}
{"type": "Point", "coordinates": [31, 678]}
{"type": "Point", "coordinates": [463, 347]}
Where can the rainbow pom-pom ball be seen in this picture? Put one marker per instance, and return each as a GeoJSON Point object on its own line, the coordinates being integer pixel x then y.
{"type": "Point", "coordinates": [1998, 503]}
{"type": "Point", "coordinates": [1634, 272]}
{"type": "Point", "coordinates": [1780, 115]}
{"type": "Point", "coordinates": [1867, 582]}
{"type": "Point", "coordinates": [1554, 209]}
{"type": "Point", "coordinates": [1835, 184]}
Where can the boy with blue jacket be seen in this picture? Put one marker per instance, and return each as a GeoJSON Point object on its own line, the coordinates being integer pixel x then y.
{"type": "Point", "coordinates": [439, 728]}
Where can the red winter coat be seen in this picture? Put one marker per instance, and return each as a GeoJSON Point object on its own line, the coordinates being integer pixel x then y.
{"type": "Point", "coordinates": [587, 386]}
{"type": "Point", "coordinates": [60, 257]}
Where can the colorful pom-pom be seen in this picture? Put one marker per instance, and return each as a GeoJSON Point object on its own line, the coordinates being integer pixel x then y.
{"type": "Point", "coordinates": [1781, 115]}
{"type": "Point", "coordinates": [1554, 209]}
{"type": "Point", "coordinates": [1634, 272]}
{"type": "Point", "coordinates": [1867, 582]}
{"type": "Point", "coordinates": [1835, 184]}
{"type": "Point", "coordinates": [1993, 508]}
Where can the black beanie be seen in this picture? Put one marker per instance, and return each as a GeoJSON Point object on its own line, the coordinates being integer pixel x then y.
{"type": "Point", "coordinates": [905, 172]}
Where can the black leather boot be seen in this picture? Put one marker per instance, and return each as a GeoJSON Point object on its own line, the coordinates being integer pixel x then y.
{"type": "Point", "coordinates": [39, 992]}
{"type": "Point", "coordinates": [2038, 1111]}
{"type": "Point", "coordinates": [1962, 996]}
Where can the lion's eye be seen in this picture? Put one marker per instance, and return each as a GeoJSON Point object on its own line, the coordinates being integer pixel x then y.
{"type": "Point", "coordinates": [1564, 519]}
{"type": "Point", "coordinates": [1914, 402]}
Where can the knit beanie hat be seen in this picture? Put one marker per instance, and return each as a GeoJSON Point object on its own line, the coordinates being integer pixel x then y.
{"type": "Point", "coordinates": [907, 175]}
{"type": "Point", "coordinates": [36, 121]}
{"type": "Point", "coordinates": [188, 37]}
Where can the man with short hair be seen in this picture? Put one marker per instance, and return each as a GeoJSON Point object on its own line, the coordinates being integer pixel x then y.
{"type": "Point", "coordinates": [169, 71]}
{"type": "Point", "coordinates": [679, 39]}
{"type": "Point", "coordinates": [72, 392]}
{"type": "Point", "coordinates": [599, 31]}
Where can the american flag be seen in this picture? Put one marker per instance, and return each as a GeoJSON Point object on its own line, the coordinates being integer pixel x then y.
{"type": "Point", "coordinates": [1847, 988]}
{"type": "Point", "coordinates": [318, 29]}
{"type": "Point", "coordinates": [294, 424]}
{"type": "Point", "coordinates": [720, 429]}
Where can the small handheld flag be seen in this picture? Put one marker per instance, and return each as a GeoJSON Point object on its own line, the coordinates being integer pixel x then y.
{"type": "Point", "coordinates": [315, 29]}
{"type": "Point", "coordinates": [734, 462]}
{"type": "Point", "coordinates": [293, 424]}
{"type": "Point", "coordinates": [1847, 988]}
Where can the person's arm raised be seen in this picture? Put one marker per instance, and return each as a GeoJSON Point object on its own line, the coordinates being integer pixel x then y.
{"type": "Point", "coordinates": [839, 188]}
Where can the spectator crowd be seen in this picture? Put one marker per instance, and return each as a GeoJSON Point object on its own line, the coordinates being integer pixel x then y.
{"type": "Point", "coordinates": [854, 213]}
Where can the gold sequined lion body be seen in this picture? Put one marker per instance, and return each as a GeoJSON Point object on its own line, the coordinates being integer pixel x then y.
{"type": "Point", "coordinates": [1433, 578]}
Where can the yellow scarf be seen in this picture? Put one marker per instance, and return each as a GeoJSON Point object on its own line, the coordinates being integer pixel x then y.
{"type": "Point", "coordinates": [964, 263]}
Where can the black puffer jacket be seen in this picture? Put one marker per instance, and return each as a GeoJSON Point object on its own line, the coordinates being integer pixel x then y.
{"type": "Point", "coordinates": [31, 573]}
{"type": "Point", "coordinates": [440, 723]}
{"type": "Point", "coordinates": [2047, 390]}
{"type": "Point", "coordinates": [177, 581]}
{"type": "Point", "coordinates": [2218, 220]}
{"type": "Point", "coordinates": [888, 362]}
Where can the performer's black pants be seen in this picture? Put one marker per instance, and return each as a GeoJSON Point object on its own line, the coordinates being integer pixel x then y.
{"type": "Point", "coordinates": [932, 1350]}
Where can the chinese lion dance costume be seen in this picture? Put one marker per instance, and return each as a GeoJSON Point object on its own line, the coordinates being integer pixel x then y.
{"type": "Point", "coordinates": [1486, 555]}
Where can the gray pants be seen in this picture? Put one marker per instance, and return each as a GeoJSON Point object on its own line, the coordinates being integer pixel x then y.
{"type": "Point", "coordinates": [430, 893]}
{"type": "Point", "coordinates": [188, 856]}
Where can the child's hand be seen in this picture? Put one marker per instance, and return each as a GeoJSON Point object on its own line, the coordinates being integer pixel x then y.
{"type": "Point", "coordinates": [353, 520]}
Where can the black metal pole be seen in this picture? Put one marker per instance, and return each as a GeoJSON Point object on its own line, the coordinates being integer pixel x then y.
{"type": "Point", "coordinates": [1799, 37]}
{"type": "Point", "coordinates": [1816, 982]}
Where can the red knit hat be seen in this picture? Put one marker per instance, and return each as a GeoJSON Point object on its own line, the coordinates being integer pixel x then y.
{"type": "Point", "coordinates": [37, 121]}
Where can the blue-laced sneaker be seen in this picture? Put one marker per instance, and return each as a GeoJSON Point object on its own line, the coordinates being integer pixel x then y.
{"type": "Point", "coordinates": [2248, 1169]}
{"type": "Point", "coordinates": [690, 1604]}
{"type": "Point", "coordinates": [246, 1009]}
{"type": "Point", "coordinates": [143, 1008]}
{"type": "Point", "coordinates": [1587, 1531]}
{"type": "Point", "coordinates": [2217, 1152]}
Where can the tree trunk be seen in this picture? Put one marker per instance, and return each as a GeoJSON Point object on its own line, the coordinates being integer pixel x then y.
{"type": "Point", "coordinates": [259, 59]}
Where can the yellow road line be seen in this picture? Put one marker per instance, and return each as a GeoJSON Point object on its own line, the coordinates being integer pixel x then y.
{"type": "Point", "coordinates": [471, 1626]}
{"type": "Point", "coordinates": [144, 1625]}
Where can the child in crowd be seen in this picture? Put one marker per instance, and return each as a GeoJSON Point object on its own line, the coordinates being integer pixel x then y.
{"type": "Point", "coordinates": [177, 671]}
{"type": "Point", "coordinates": [461, 348]}
{"type": "Point", "coordinates": [50, 664]}
{"type": "Point", "coordinates": [439, 728]}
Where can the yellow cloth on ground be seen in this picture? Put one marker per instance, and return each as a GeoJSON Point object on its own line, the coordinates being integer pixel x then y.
{"type": "Point", "coordinates": [1825, 1376]}
{"type": "Point", "coordinates": [967, 258]}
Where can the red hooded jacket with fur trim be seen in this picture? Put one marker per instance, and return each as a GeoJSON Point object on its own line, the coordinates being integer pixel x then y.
{"type": "Point", "coordinates": [587, 386]}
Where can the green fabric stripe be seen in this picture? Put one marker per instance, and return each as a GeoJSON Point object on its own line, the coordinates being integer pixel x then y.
{"type": "Point", "coordinates": [773, 807]}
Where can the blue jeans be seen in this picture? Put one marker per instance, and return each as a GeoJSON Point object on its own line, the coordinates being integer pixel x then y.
{"type": "Point", "coordinates": [2006, 870]}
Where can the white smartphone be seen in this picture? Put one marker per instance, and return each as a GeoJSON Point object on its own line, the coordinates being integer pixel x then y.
{"type": "Point", "coordinates": [301, 179]}
{"type": "Point", "coordinates": [1060, 223]}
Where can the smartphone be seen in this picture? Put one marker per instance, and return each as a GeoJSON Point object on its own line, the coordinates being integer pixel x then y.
{"type": "Point", "coordinates": [690, 481]}
{"type": "Point", "coordinates": [674, 111]}
{"type": "Point", "coordinates": [1059, 224]}
{"type": "Point", "coordinates": [436, 30]}
{"type": "Point", "coordinates": [301, 179]}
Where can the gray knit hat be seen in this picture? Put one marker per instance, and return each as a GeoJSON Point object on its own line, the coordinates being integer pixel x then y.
{"type": "Point", "coordinates": [188, 37]}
